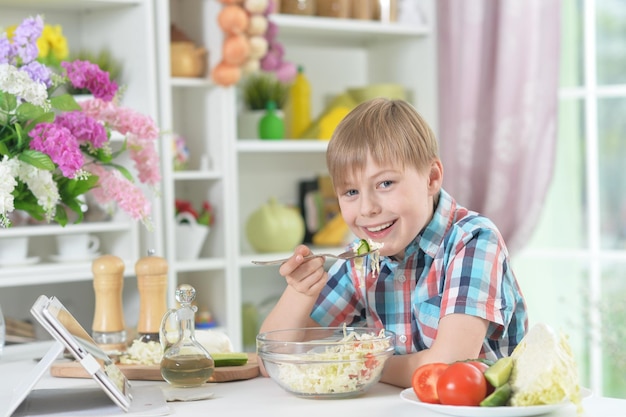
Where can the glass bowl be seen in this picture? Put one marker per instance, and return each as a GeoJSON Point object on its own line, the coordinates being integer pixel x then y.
{"type": "Point", "coordinates": [325, 362]}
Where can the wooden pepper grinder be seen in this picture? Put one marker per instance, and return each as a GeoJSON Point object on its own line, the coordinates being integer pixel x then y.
{"type": "Point", "coordinates": [152, 284]}
{"type": "Point", "coordinates": [108, 329]}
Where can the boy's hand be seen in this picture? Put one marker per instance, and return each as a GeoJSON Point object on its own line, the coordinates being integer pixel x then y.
{"type": "Point", "coordinates": [305, 276]}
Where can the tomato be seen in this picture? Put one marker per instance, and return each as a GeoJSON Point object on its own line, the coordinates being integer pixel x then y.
{"type": "Point", "coordinates": [482, 367]}
{"type": "Point", "coordinates": [461, 384]}
{"type": "Point", "coordinates": [424, 381]}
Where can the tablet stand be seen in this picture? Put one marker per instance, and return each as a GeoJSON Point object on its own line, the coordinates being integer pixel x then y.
{"type": "Point", "coordinates": [27, 384]}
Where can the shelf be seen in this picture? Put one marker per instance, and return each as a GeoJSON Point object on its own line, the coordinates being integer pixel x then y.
{"type": "Point", "coordinates": [46, 272]}
{"type": "Point", "coordinates": [277, 146]}
{"type": "Point", "coordinates": [79, 5]}
{"type": "Point", "coordinates": [191, 82]}
{"type": "Point", "coordinates": [200, 265]}
{"type": "Point", "coordinates": [343, 31]}
{"type": "Point", "coordinates": [197, 175]}
{"type": "Point", "coordinates": [45, 230]}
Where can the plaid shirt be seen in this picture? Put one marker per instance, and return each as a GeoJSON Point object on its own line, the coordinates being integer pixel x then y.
{"type": "Point", "coordinates": [457, 264]}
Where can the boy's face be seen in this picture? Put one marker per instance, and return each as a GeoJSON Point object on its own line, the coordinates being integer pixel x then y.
{"type": "Point", "coordinates": [389, 204]}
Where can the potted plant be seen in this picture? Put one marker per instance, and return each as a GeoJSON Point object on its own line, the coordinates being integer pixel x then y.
{"type": "Point", "coordinates": [257, 89]}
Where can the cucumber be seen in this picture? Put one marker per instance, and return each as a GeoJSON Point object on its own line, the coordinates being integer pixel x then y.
{"type": "Point", "coordinates": [363, 247]}
{"type": "Point", "coordinates": [499, 397]}
{"type": "Point", "coordinates": [229, 359]}
{"type": "Point", "coordinates": [499, 373]}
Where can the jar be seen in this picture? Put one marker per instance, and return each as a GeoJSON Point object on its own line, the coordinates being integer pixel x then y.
{"type": "Point", "coordinates": [334, 8]}
{"type": "Point", "coordinates": [362, 10]}
{"type": "Point", "coordinates": [300, 7]}
{"type": "Point", "coordinates": [386, 10]}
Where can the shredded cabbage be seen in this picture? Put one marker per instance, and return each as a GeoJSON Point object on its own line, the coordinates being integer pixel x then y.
{"type": "Point", "coordinates": [342, 368]}
{"type": "Point", "coordinates": [142, 353]}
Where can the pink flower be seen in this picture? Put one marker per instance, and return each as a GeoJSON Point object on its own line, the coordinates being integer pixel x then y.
{"type": "Point", "coordinates": [60, 145]}
{"type": "Point", "coordinates": [140, 130]}
{"type": "Point", "coordinates": [83, 127]}
{"type": "Point", "coordinates": [84, 74]}
{"type": "Point", "coordinates": [114, 187]}
{"type": "Point", "coordinates": [143, 153]}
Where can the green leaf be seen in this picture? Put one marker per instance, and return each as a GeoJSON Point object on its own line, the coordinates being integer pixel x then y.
{"type": "Point", "coordinates": [65, 102]}
{"type": "Point", "coordinates": [69, 189]}
{"type": "Point", "coordinates": [3, 149]}
{"type": "Point", "coordinates": [42, 118]}
{"type": "Point", "coordinates": [103, 156]}
{"type": "Point", "coordinates": [28, 111]}
{"type": "Point", "coordinates": [30, 206]}
{"type": "Point", "coordinates": [74, 205]}
{"type": "Point", "coordinates": [126, 173]}
{"type": "Point", "coordinates": [61, 216]}
{"type": "Point", "coordinates": [8, 101]}
{"type": "Point", "coordinates": [37, 159]}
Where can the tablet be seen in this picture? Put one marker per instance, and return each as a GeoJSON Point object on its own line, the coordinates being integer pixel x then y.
{"type": "Point", "coordinates": [62, 325]}
{"type": "Point", "coordinates": [71, 336]}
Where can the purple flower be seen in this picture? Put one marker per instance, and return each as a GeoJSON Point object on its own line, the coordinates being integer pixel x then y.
{"type": "Point", "coordinates": [25, 38]}
{"type": "Point", "coordinates": [38, 72]}
{"type": "Point", "coordinates": [84, 74]}
{"type": "Point", "coordinates": [7, 51]}
{"type": "Point", "coordinates": [83, 127]}
{"type": "Point", "coordinates": [60, 145]}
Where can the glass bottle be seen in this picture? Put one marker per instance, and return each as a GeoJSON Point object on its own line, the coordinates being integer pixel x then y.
{"type": "Point", "coordinates": [185, 363]}
{"type": "Point", "coordinates": [271, 125]}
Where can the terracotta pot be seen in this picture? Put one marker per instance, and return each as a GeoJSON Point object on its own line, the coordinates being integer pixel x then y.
{"type": "Point", "coordinates": [187, 60]}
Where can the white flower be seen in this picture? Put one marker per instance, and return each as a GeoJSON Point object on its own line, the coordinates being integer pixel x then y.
{"type": "Point", "coordinates": [7, 184]}
{"type": "Point", "coordinates": [42, 185]}
{"type": "Point", "coordinates": [18, 83]}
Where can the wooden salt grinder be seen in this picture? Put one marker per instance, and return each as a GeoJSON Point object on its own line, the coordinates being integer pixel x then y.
{"type": "Point", "coordinates": [152, 284]}
{"type": "Point", "coordinates": [108, 328]}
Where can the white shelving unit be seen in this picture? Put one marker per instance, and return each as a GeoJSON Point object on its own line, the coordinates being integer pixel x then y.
{"type": "Point", "coordinates": [88, 24]}
{"type": "Point", "coordinates": [337, 54]}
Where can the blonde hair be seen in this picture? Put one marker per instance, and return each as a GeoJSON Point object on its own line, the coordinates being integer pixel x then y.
{"type": "Point", "coordinates": [391, 131]}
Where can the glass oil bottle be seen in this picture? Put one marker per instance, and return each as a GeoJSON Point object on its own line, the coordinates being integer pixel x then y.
{"type": "Point", "coordinates": [185, 363]}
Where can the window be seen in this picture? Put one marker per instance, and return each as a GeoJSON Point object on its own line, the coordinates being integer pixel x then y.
{"type": "Point", "coordinates": [573, 271]}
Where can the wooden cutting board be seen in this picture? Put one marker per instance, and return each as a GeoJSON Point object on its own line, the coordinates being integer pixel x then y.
{"type": "Point", "coordinates": [65, 368]}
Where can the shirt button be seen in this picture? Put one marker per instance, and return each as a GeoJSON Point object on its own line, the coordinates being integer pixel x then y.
{"type": "Point", "coordinates": [401, 278]}
{"type": "Point", "coordinates": [402, 339]}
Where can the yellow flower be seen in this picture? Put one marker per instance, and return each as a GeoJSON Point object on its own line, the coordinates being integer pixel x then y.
{"type": "Point", "coordinates": [52, 44]}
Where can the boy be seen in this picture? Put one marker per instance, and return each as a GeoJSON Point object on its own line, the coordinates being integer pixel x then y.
{"type": "Point", "coordinates": [445, 285]}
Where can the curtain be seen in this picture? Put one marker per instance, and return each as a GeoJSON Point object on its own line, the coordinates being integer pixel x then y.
{"type": "Point", "coordinates": [498, 83]}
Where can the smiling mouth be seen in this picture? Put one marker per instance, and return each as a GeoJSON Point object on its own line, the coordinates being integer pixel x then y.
{"type": "Point", "coordinates": [379, 227]}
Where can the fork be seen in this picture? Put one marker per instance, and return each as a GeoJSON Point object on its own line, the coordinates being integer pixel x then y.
{"type": "Point", "coordinates": [345, 256]}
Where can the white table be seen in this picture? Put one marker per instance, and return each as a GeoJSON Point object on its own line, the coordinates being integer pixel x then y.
{"type": "Point", "coordinates": [262, 397]}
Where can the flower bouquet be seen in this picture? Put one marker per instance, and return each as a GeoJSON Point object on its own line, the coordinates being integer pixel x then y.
{"type": "Point", "coordinates": [192, 228]}
{"type": "Point", "coordinates": [54, 150]}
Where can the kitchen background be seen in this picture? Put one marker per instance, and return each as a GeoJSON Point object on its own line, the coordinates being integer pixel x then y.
{"type": "Point", "coordinates": [571, 269]}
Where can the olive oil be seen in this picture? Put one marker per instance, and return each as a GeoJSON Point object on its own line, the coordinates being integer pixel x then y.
{"type": "Point", "coordinates": [185, 363]}
{"type": "Point", "coordinates": [187, 371]}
